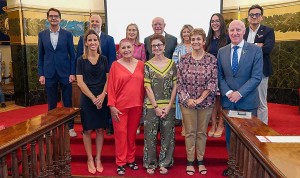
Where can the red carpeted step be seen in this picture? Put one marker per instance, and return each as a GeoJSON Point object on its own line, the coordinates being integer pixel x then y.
{"type": "Point", "coordinates": [215, 157]}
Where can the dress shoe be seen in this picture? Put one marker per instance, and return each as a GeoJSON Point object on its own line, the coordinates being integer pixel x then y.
{"type": "Point", "coordinates": [3, 105]}
{"type": "Point", "coordinates": [72, 133]}
{"type": "Point", "coordinates": [218, 132]}
{"type": "Point", "coordinates": [225, 172]}
{"type": "Point", "coordinates": [211, 131]}
{"type": "Point", "coordinates": [110, 131]}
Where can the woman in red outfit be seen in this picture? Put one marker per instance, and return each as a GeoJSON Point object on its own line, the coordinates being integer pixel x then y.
{"type": "Point", "coordinates": [125, 99]}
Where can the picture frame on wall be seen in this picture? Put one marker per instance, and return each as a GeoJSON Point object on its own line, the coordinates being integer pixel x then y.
{"type": "Point", "coordinates": [4, 27]}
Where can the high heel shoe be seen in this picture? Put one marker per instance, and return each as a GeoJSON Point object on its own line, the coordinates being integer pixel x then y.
{"type": "Point", "coordinates": [91, 166]}
{"type": "Point", "coordinates": [212, 131]}
{"type": "Point", "coordinates": [99, 166]}
{"type": "Point", "coordinates": [218, 132]}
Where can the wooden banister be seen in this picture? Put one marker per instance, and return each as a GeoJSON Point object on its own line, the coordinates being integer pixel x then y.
{"type": "Point", "coordinates": [44, 145]}
{"type": "Point", "coordinates": [249, 157]}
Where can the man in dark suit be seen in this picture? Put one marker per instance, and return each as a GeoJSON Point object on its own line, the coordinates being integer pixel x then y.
{"type": "Point", "coordinates": [158, 25]}
{"type": "Point", "coordinates": [56, 62]}
{"type": "Point", "coordinates": [108, 49]}
{"type": "Point", "coordinates": [239, 74]}
{"type": "Point", "coordinates": [263, 37]}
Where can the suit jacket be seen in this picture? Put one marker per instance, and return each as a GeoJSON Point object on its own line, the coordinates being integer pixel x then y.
{"type": "Point", "coordinates": [61, 60]}
{"type": "Point", "coordinates": [246, 79]}
{"type": "Point", "coordinates": [266, 36]}
{"type": "Point", "coordinates": [108, 48]}
{"type": "Point", "coordinates": [171, 43]}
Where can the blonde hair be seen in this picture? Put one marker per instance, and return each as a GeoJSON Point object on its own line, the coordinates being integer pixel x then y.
{"type": "Point", "coordinates": [190, 27]}
{"type": "Point", "coordinates": [137, 40]}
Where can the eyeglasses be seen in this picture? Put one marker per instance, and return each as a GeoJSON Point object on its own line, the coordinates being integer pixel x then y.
{"type": "Point", "coordinates": [214, 21]}
{"type": "Point", "coordinates": [256, 15]}
{"type": "Point", "coordinates": [53, 16]}
{"type": "Point", "coordinates": [157, 45]}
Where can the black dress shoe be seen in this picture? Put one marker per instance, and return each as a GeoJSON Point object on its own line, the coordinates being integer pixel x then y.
{"type": "Point", "coordinates": [110, 131]}
{"type": "Point", "coordinates": [225, 172]}
{"type": "Point", "coordinates": [3, 105]}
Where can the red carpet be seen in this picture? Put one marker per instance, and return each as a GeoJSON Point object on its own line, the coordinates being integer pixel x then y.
{"type": "Point", "coordinates": [283, 118]}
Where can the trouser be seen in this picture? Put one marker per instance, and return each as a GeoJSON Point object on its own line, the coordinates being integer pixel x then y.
{"type": "Point", "coordinates": [1, 96]}
{"type": "Point", "coordinates": [227, 127]}
{"type": "Point", "coordinates": [51, 86]}
{"type": "Point", "coordinates": [195, 123]}
{"type": "Point", "coordinates": [262, 111]}
{"type": "Point", "coordinates": [125, 134]}
{"type": "Point", "coordinates": [167, 133]}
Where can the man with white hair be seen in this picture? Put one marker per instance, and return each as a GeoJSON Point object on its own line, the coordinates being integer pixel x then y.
{"type": "Point", "coordinates": [158, 26]}
{"type": "Point", "coordinates": [240, 68]}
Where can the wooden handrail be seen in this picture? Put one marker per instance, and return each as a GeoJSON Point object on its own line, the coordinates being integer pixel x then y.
{"type": "Point", "coordinates": [40, 130]}
{"type": "Point", "coordinates": [248, 157]}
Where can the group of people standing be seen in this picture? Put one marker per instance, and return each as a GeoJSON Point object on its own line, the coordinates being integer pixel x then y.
{"type": "Point", "coordinates": [179, 81]}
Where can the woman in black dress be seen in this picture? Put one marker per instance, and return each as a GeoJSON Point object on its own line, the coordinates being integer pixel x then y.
{"type": "Point", "coordinates": [92, 73]}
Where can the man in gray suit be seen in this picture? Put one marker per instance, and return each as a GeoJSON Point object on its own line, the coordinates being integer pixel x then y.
{"type": "Point", "coordinates": [158, 25]}
{"type": "Point", "coordinates": [240, 66]}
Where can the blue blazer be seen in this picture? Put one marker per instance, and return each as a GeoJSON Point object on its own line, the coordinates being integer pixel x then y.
{"type": "Point", "coordinates": [171, 43]}
{"type": "Point", "coordinates": [61, 60]}
{"type": "Point", "coordinates": [246, 79]}
{"type": "Point", "coordinates": [266, 36]}
{"type": "Point", "coordinates": [108, 48]}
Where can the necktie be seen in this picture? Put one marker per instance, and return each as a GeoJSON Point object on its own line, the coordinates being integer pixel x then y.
{"type": "Point", "coordinates": [235, 63]}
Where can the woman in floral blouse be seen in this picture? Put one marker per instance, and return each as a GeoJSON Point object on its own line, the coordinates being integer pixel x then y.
{"type": "Point", "coordinates": [160, 84]}
{"type": "Point", "coordinates": [197, 85]}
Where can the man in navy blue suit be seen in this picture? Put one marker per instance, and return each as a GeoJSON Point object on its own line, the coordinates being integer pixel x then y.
{"type": "Point", "coordinates": [239, 74]}
{"type": "Point", "coordinates": [56, 62]}
{"type": "Point", "coordinates": [263, 37]}
{"type": "Point", "coordinates": [108, 49]}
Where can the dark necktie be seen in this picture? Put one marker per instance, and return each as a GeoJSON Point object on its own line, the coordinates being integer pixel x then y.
{"type": "Point", "coordinates": [235, 63]}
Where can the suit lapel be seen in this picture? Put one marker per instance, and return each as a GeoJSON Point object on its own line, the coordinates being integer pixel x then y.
{"type": "Point", "coordinates": [60, 36]}
{"type": "Point", "coordinates": [228, 58]}
{"type": "Point", "coordinates": [243, 55]}
{"type": "Point", "coordinates": [49, 40]}
{"type": "Point", "coordinates": [246, 34]}
{"type": "Point", "coordinates": [260, 33]}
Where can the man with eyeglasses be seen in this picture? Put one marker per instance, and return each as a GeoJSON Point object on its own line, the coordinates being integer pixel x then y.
{"type": "Point", "coordinates": [263, 37]}
{"type": "Point", "coordinates": [56, 62]}
{"type": "Point", "coordinates": [158, 26]}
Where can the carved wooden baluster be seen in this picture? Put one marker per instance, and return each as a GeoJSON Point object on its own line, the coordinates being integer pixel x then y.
{"type": "Point", "coordinates": [241, 157]}
{"type": "Point", "coordinates": [246, 161]}
{"type": "Point", "coordinates": [14, 164]}
{"type": "Point", "coordinates": [25, 166]}
{"type": "Point", "coordinates": [3, 167]}
{"type": "Point", "coordinates": [237, 159]}
{"type": "Point", "coordinates": [260, 171]}
{"type": "Point", "coordinates": [67, 151]}
{"type": "Point", "coordinates": [34, 168]}
{"type": "Point", "coordinates": [43, 170]}
{"type": "Point", "coordinates": [61, 156]}
{"type": "Point", "coordinates": [49, 156]}
{"type": "Point", "coordinates": [55, 152]}
{"type": "Point", "coordinates": [232, 157]}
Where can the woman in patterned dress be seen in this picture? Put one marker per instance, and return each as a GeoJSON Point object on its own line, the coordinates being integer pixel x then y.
{"type": "Point", "coordinates": [160, 84]}
{"type": "Point", "coordinates": [197, 85]}
{"type": "Point", "coordinates": [180, 50]}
